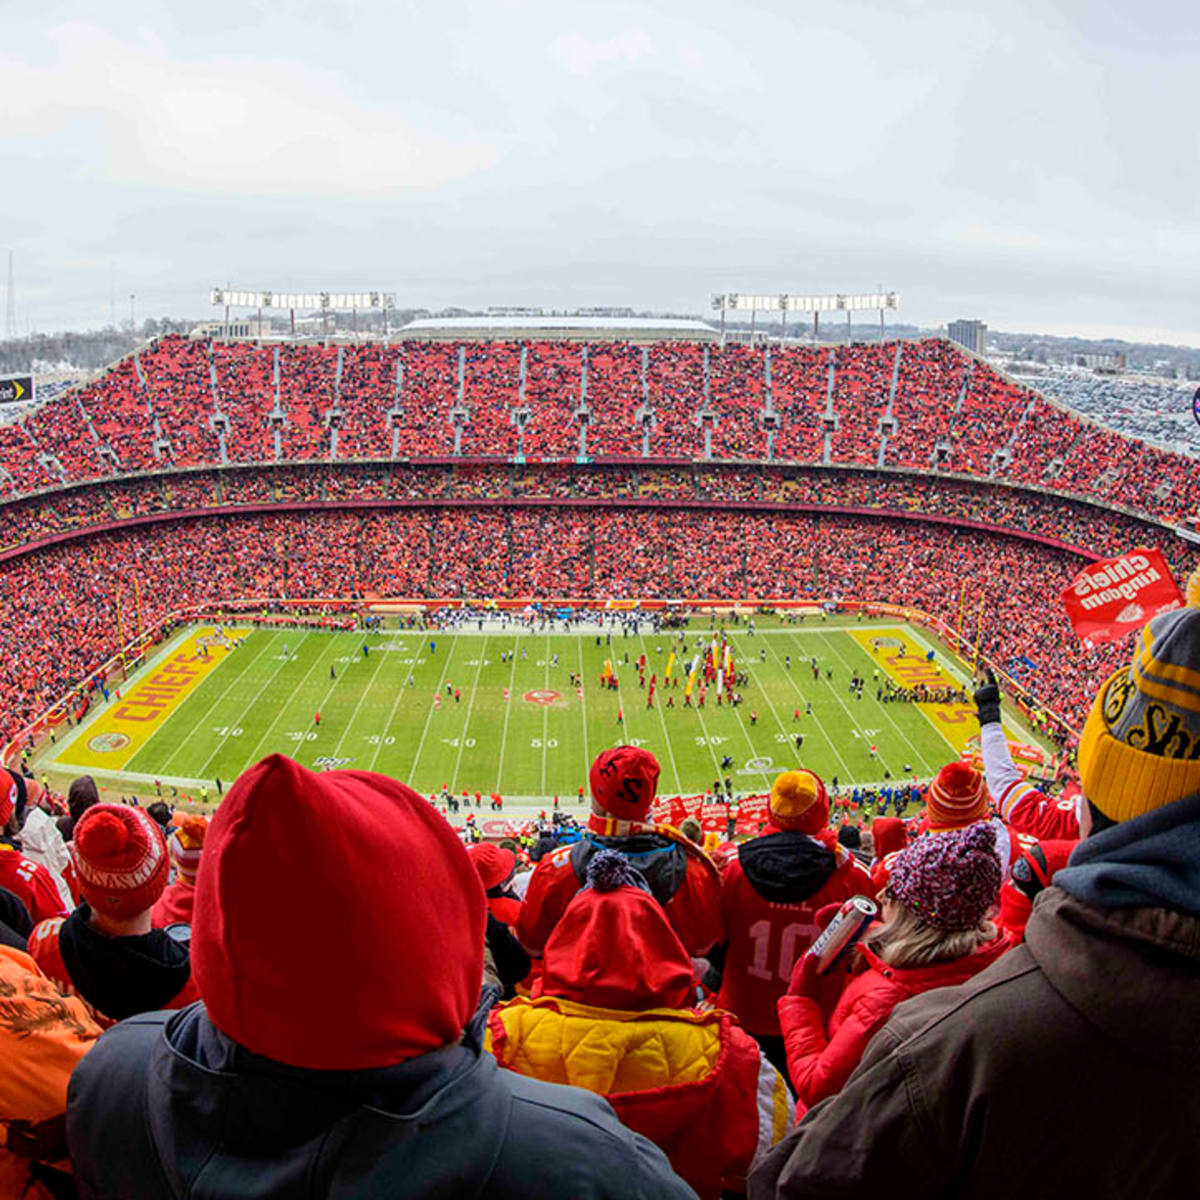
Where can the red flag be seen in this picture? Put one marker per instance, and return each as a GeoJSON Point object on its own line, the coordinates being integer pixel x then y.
{"type": "Point", "coordinates": [1113, 597]}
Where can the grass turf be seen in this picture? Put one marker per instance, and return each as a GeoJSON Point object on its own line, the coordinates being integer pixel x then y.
{"type": "Point", "coordinates": [520, 728]}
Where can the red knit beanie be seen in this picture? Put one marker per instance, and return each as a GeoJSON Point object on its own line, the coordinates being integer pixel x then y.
{"type": "Point", "coordinates": [614, 947]}
{"type": "Point", "coordinates": [957, 797]}
{"type": "Point", "coordinates": [624, 781]}
{"type": "Point", "coordinates": [350, 864]}
{"type": "Point", "coordinates": [798, 801]}
{"type": "Point", "coordinates": [493, 864]}
{"type": "Point", "coordinates": [120, 859]}
{"type": "Point", "coordinates": [889, 835]}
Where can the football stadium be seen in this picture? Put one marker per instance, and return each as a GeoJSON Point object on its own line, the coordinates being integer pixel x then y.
{"type": "Point", "coordinates": [662, 602]}
{"type": "Point", "coordinates": [483, 741]}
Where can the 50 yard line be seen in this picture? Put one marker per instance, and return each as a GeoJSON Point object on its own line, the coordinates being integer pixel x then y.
{"type": "Point", "coordinates": [512, 679]}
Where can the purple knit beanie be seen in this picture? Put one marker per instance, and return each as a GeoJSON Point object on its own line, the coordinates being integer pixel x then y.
{"type": "Point", "coordinates": [949, 880]}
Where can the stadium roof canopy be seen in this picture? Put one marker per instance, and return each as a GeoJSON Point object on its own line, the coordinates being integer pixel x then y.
{"type": "Point", "coordinates": [579, 329]}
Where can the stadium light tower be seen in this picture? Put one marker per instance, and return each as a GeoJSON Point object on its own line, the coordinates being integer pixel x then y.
{"type": "Point", "coordinates": [322, 302]}
{"type": "Point", "coordinates": [785, 303]}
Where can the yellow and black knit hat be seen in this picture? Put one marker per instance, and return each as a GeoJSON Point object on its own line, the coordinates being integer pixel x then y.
{"type": "Point", "coordinates": [1141, 745]}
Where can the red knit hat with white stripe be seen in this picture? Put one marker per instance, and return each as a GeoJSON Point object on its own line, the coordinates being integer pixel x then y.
{"type": "Point", "coordinates": [120, 859]}
{"type": "Point", "coordinates": [956, 798]}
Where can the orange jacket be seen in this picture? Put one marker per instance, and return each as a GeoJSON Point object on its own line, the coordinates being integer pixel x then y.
{"type": "Point", "coordinates": [42, 1036]}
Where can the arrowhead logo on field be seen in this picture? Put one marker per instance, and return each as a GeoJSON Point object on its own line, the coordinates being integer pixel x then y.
{"type": "Point", "coordinates": [542, 696]}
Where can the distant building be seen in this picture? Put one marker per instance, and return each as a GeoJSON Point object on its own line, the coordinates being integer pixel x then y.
{"type": "Point", "coordinates": [237, 327]}
{"type": "Point", "coordinates": [970, 334]}
{"type": "Point", "coordinates": [557, 328]}
{"type": "Point", "coordinates": [1102, 364]}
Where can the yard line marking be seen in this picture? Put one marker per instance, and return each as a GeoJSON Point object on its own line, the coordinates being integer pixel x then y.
{"type": "Point", "coordinates": [249, 707]}
{"type": "Point", "coordinates": [545, 715]}
{"type": "Point", "coordinates": [208, 712]}
{"type": "Point", "coordinates": [432, 709]}
{"type": "Point", "coordinates": [400, 690]}
{"type": "Point", "coordinates": [954, 667]}
{"type": "Point", "coordinates": [587, 756]}
{"type": "Point", "coordinates": [918, 754]}
{"type": "Point", "coordinates": [767, 697]}
{"type": "Point", "coordinates": [462, 737]}
{"type": "Point", "coordinates": [512, 681]}
{"type": "Point", "coordinates": [820, 725]}
{"type": "Point", "coordinates": [867, 743]}
{"type": "Point", "coordinates": [358, 706]}
{"type": "Point", "coordinates": [666, 736]}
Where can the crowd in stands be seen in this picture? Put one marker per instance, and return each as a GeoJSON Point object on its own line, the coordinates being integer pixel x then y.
{"type": "Point", "coordinates": [217, 403]}
{"type": "Point", "coordinates": [862, 386]}
{"type": "Point", "coordinates": [1102, 531]}
{"type": "Point", "coordinates": [150, 571]}
{"type": "Point", "coordinates": [621, 1010]}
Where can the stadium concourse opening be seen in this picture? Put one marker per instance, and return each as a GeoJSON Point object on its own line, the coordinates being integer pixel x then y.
{"type": "Point", "coordinates": [517, 706]}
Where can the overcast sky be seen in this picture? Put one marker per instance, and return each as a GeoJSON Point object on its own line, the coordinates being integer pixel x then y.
{"type": "Point", "coordinates": [1035, 163]}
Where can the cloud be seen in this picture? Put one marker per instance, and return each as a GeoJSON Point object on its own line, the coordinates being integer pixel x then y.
{"type": "Point", "coordinates": [580, 55]}
{"type": "Point", "coordinates": [222, 124]}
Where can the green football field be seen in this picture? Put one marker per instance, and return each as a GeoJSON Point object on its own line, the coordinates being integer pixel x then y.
{"type": "Point", "coordinates": [519, 726]}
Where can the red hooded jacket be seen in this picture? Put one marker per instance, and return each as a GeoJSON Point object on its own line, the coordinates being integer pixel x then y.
{"type": "Point", "coordinates": [615, 1016]}
{"type": "Point", "coordinates": [682, 878]}
{"type": "Point", "coordinates": [820, 1060]}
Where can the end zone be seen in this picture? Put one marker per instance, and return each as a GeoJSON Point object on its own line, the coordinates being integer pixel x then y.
{"type": "Point", "coordinates": [109, 741]}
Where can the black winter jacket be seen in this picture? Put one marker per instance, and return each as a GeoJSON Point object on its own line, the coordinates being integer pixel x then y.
{"type": "Point", "coordinates": [166, 1105]}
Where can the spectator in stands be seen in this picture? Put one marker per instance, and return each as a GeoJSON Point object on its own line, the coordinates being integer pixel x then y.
{"type": "Point", "coordinates": [1023, 807]}
{"type": "Point", "coordinates": [957, 798]}
{"type": "Point", "coordinates": [185, 846]}
{"type": "Point", "coordinates": [681, 877]}
{"type": "Point", "coordinates": [1103, 992]}
{"type": "Point", "coordinates": [41, 841]}
{"type": "Point", "coordinates": [496, 867]}
{"type": "Point", "coordinates": [362, 1075]}
{"type": "Point", "coordinates": [42, 1036]}
{"type": "Point", "coordinates": [30, 881]}
{"type": "Point", "coordinates": [616, 979]}
{"type": "Point", "coordinates": [1030, 875]}
{"type": "Point", "coordinates": [106, 951]}
{"type": "Point", "coordinates": [935, 933]}
{"type": "Point", "coordinates": [81, 795]}
{"type": "Point", "coordinates": [15, 924]}
{"type": "Point", "coordinates": [770, 895]}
